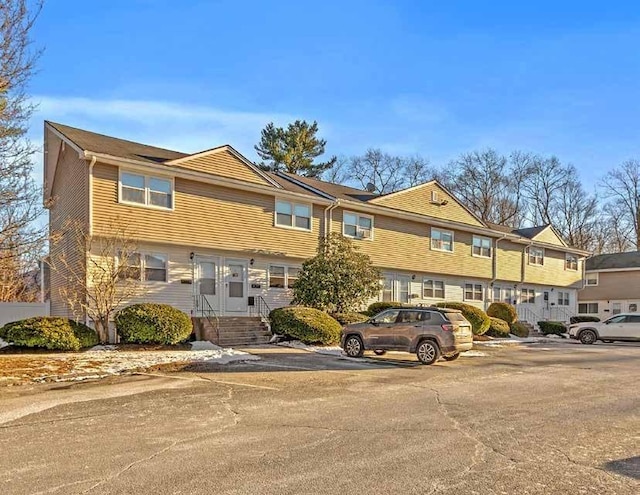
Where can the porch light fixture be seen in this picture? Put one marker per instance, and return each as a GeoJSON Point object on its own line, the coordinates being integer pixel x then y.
{"type": "Point", "coordinates": [191, 255]}
{"type": "Point", "coordinates": [251, 261]}
{"type": "Point", "coordinates": [413, 277]}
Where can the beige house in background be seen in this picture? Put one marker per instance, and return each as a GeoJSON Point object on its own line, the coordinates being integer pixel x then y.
{"type": "Point", "coordinates": [612, 285]}
{"type": "Point", "coordinates": [216, 234]}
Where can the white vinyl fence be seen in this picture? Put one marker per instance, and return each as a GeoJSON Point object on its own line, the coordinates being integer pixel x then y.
{"type": "Point", "coordinates": [17, 311]}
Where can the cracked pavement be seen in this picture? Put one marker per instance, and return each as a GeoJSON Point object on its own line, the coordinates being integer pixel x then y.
{"type": "Point", "coordinates": [539, 419]}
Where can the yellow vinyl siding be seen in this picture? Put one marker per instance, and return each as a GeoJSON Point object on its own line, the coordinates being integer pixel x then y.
{"type": "Point", "coordinates": [68, 217]}
{"type": "Point", "coordinates": [205, 215]}
{"type": "Point", "coordinates": [553, 271]}
{"type": "Point", "coordinates": [406, 245]}
{"type": "Point", "coordinates": [509, 261]}
{"type": "Point", "coordinates": [613, 285]}
{"type": "Point", "coordinates": [224, 164]}
{"type": "Point", "coordinates": [549, 236]}
{"type": "Point", "coordinates": [418, 200]}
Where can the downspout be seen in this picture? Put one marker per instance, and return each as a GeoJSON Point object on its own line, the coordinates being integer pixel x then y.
{"type": "Point", "coordinates": [90, 228]}
{"type": "Point", "coordinates": [328, 217]}
{"type": "Point", "coordinates": [494, 268]}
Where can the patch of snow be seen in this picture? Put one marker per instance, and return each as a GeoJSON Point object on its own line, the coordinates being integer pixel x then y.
{"type": "Point", "coordinates": [328, 350]}
{"type": "Point", "coordinates": [204, 345]}
{"type": "Point", "coordinates": [103, 347]}
{"type": "Point", "coordinates": [4, 343]}
{"type": "Point", "coordinates": [472, 354]}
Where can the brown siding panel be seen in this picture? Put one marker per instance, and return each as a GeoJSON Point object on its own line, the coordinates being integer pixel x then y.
{"type": "Point", "coordinates": [613, 285]}
{"type": "Point", "coordinates": [225, 164]}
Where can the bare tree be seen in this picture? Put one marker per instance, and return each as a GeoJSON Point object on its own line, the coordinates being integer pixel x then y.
{"type": "Point", "coordinates": [20, 203]}
{"type": "Point", "coordinates": [576, 213]}
{"type": "Point", "coordinates": [542, 188]}
{"type": "Point", "coordinates": [622, 186]}
{"type": "Point", "coordinates": [98, 275]}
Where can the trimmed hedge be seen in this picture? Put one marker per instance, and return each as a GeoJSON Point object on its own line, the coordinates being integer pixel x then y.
{"type": "Point", "coordinates": [379, 307]}
{"type": "Point", "coordinates": [498, 328]}
{"type": "Point", "coordinates": [150, 323]}
{"type": "Point", "coordinates": [49, 333]}
{"type": "Point", "coordinates": [519, 329]}
{"type": "Point", "coordinates": [309, 325]}
{"type": "Point", "coordinates": [583, 319]}
{"type": "Point", "coordinates": [479, 320]}
{"type": "Point", "coordinates": [347, 318]}
{"type": "Point", "coordinates": [504, 311]}
{"type": "Point", "coordinates": [552, 327]}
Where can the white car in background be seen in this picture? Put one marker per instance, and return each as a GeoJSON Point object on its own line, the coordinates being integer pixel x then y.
{"type": "Point", "coordinates": [624, 327]}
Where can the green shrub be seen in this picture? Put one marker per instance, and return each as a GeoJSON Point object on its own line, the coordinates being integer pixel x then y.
{"type": "Point", "coordinates": [49, 333]}
{"type": "Point", "coordinates": [498, 328]}
{"type": "Point", "coordinates": [519, 329]}
{"type": "Point", "coordinates": [379, 307]}
{"type": "Point", "coordinates": [504, 311]}
{"type": "Point", "coordinates": [479, 320]}
{"type": "Point", "coordinates": [309, 325]}
{"type": "Point", "coordinates": [150, 323]}
{"type": "Point", "coordinates": [346, 318]}
{"type": "Point", "coordinates": [552, 327]}
{"type": "Point", "coordinates": [583, 319]}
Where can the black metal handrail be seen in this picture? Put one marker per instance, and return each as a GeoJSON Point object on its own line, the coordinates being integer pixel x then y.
{"type": "Point", "coordinates": [262, 308]}
{"type": "Point", "coordinates": [204, 307]}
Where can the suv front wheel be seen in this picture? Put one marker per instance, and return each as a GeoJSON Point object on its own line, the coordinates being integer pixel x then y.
{"type": "Point", "coordinates": [428, 352]}
{"type": "Point", "coordinates": [588, 337]}
{"type": "Point", "coordinates": [353, 346]}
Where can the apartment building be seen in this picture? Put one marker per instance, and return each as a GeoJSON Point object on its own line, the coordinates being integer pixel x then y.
{"type": "Point", "coordinates": [215, 232]}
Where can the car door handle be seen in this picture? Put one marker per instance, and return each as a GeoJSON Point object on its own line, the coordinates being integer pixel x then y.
{"type": "Point", "coordinates": [417, 326]}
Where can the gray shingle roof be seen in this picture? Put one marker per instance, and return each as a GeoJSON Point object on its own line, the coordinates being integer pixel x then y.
{"type": "Point", "coordinates": [630, 259]}
{"type": "Point", "coordinates": [530, 232]}
{"type": "Point", "coordinates": [335, 190]}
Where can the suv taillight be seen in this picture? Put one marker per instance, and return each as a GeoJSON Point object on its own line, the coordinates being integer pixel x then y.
{"type": "Point", "coordinates": [447, 328]}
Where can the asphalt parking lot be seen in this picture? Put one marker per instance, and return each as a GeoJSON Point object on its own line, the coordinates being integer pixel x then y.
{"type": "Point", "coordinates": [545, 418]}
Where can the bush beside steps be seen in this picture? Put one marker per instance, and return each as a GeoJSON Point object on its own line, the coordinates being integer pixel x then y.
{"type": "Point", "coordinates": [479, 320]}
{"type": "Point", "coordinates": [150, 323]}
{"type": "Point", "coordinates": [498, 328]}
{"type": "Point", "coordinates": [308, 325]}
{"type": "Point", "coordinates": [552, 327]}
{"type": "Point", "coordinates": [49, 332]}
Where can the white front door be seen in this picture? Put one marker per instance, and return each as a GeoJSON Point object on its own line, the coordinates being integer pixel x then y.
{"type": "Point", "coordinates": [403, 288]}
{"type": "Point", "coordinates": [207, 285]}
{"type": "Point", "coordinates": [236, 287]}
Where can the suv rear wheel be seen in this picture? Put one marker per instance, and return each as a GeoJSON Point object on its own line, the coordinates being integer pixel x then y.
{"type": "Point", "coordinates": [428, 352]}
{"type": "Point", "coordinates": [353, 346]}
{"type": "Point", "coordinates": [588, 337]}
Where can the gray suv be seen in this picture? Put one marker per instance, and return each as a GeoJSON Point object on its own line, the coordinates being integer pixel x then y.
{"type": "Point", "coordinates": [429, 332]}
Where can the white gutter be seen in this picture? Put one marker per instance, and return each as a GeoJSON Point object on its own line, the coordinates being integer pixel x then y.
{"type": "Point", "coordinates": [328, 213]}
{"type": "Point", "coordinates": [93, 162]}
{"type": "Point", "coordinates": [495, 260]}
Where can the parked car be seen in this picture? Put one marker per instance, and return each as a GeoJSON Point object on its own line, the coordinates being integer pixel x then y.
{"type": "Point", "coordinates": [623, 327]}
{"type": "Point", "coordinates": [429, 332]}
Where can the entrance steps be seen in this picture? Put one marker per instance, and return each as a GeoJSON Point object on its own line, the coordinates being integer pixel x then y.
{"type": "Point", "coordinates": [232, 330]}
{"type": "Point", "coordinates": [533, 329]}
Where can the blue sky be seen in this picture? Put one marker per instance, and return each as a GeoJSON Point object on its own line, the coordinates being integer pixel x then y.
{"type": "Point", "coordinates": [411, 77]}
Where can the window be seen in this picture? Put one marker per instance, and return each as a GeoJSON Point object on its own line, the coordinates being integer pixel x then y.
{"type": "Point", "coordinates": [563, 298]}
{"type": "Point", "coordinates": [481, 247]}
{"type": "Point", "coordinates": [390, 316]}
{"type": "Point", "coordinates": [473, 292]}
{"type": "Point", "coordinates": [507, 296]}
{"type": "Point", "coordinates": [633, 307]}
{"type": "Point", "coordinates": [442, 240]}
{"type": "Point", "coordinates": [144, 267]}
{"type": "Point", "coordinates": [387, 288]}
{"type": "Point", "coordinates": [633, 319]}
{"type": "Point", "coordinates": [410, 316]}
{"type": "Point", "coordinates": [617, 319]}
{"type": "Point", "coordinates": [357, 226]}
{"type": "Point", "coordinates": [497, 294]}
{"type": "Point", "coordinates": [616, 308]}
{"type": "Point", "coordinates": [536, 256]}
{"type": "Point", "coordinates": [281, 277]}
{"type": "Point", "coordinates": [293, 215]}
{"type": "Point", "coordinates": [528, 296]}
{"type": "Point", "coordinates": [571, 262]}
{"type": "Point", "coordinates": [432, 289]}
{"type": "Point", "coordinates": [591, 279]}
{"type": "Point", "coordinates": [146, 190]}
{"type": "Point", "coordinates": [588, 308]}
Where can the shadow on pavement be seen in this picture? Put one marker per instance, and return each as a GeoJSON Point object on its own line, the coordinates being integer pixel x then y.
{"type": "Point", "coordinates": [628, 467]}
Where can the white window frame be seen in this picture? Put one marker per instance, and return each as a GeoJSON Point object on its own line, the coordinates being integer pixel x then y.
{"type": "Point", "coordinates": [474, 286]}
{"type": "Point", "coordinates": [293, 205]}
{"type": "Point", "coordinates": [147, 190]}
{"type": "Point", "coordinates": [564, 298]}
{"type": "Point", "coordinates": [357, 226]}
{"type": "Point", "coordinates": [528, 291]}
{"type": "Point", "coordinates": [570, 257]}
{"type": "Point", "coordinates": [589, 306]}
{"type": "Point", "coordinates": [586, 279]}
{"type": "Point", "coordinates": [481, 247]}
{"type": "Point", "coordinates": [143, 262]}
{"type": "Point", "coordinates": [535, 257]}
{"type": "Point", "coordinates": [432, 288]}
{"type": "Point", "coordinates": [286, 276]}
{"type": "Point", "coordinates": [442, 231]}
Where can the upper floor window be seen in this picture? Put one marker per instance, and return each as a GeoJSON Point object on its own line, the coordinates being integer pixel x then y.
{"type": "Point", "coordinates": [281, 277]}
{"type": "Point", "coordinates": [442, 240]}
{"type": "Point", "coordinates": [571, 262]}
{"type": "Point", "coordinates": [563, 298]}
{"type": "Point", "coordinates": [481, 247]}
{"type": "Point", "coordinates": [357, 225]}
{"type": "Point", "coordinates": [146, 190]}
{"type": "Point", "coordinates": [536, 256]}
{"type": "Point", "coordinates": [145, 267]}
{"type": "Point", "coordinates": [293, 215]}
{"type": "Point", "coordinates": [432, 289]}
{"type": "Point", "coordinates": [591, 278]}
{"type": "Point", "coordinates": [473, 292]}
{"type": "Point", "coordinates": [588, 308]}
